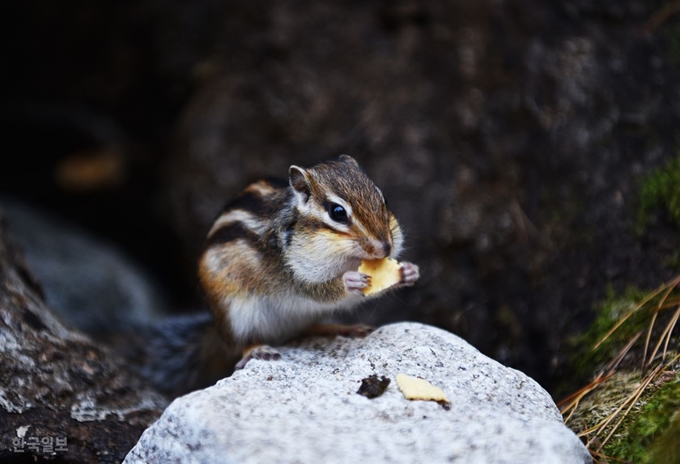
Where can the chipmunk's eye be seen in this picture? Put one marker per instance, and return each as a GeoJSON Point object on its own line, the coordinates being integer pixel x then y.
{"type": "Point", "coordinates": [337, 213]}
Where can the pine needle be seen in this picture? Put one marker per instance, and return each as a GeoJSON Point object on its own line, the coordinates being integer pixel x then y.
{"type": "Point", "coordinates": [631, 400]}
{"type": "Point", "coordinates": [667, 287]}
{"type": "Point", "coordinates": [651, 325]}
{"type": "Point", "coordinates": [620, 322]}
{"type": "Point", "coordinates": [571, 402]}
{"type": "Point", "coordinates": [665, 334]}
{"type": "Point", "coordinates": [674, 321]}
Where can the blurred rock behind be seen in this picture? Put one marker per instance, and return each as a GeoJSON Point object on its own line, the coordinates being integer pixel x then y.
{"type": "Point", "coordinates": [509, 137]}
{"type": "Point", "coordinates": [88, 282]}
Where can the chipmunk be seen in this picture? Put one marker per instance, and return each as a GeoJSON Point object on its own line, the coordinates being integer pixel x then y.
{"type": "Point", "coordinates": [280, 257]}
{"type": "Point", "coordinates": [284, 254]}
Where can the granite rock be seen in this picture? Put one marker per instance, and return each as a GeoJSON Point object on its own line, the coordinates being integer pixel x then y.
{"type": "Point", "coordinates": [305, 408]}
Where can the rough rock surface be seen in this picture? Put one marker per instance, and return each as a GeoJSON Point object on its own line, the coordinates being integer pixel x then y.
{"type": "Point", "coordinates": [55, 383]}
{"type": "Point", "coordinates": [305, 409]}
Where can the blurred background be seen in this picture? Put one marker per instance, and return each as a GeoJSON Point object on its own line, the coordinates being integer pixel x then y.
{"type": "Point", "coordinates": [512, 139]}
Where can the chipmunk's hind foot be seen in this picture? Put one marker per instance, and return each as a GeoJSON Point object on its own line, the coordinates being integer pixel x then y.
{"type": "Point", "coordinates": [263, 352]}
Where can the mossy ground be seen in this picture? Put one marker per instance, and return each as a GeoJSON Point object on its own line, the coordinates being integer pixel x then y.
{"type": "Point", "coordinates": [643, 435]}
{"type": "Point", "coordinates": [660, 192]}
{"type": "Point", "coordinates": [649, 433]}
{"type": "Point", "coordinates": [666, 448]}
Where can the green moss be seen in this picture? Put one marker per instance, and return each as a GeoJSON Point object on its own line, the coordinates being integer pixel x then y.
{"type": "Point", "coordinates": [666, 448]}
{"type": "Point", "coordinates": [644, 435]}
{"type": "Point", "coordinates": [661, 191]}
{"type": "Point", "coordinates": [609, 312]}
{"type": "Point", "coordinates": [673, 261]}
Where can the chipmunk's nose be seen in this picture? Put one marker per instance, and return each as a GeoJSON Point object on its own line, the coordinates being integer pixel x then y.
{"type": "Point", "coordinates": [378, 249]}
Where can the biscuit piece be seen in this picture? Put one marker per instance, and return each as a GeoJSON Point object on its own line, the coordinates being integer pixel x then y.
{"type": "Point", "coordinates": [414, 388]}
{"type": "Point", "coordinates": [384, 273]}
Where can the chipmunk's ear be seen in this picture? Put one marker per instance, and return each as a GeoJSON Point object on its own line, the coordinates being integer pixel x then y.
{"type": "Point", "coordinates": [349, 160]}
{"type": "Point", "coordinates": [299, 180]}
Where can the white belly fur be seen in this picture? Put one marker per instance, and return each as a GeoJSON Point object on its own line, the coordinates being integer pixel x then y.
{"type": "Point", "coordinates": [273, 321]}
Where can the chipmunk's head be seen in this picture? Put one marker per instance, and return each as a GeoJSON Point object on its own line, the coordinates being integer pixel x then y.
{"type": "Point", "coordinates": [342, 218]}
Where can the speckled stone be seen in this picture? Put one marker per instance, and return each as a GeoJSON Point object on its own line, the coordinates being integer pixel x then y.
{"type": "Point", "coordinates": [305, 409]}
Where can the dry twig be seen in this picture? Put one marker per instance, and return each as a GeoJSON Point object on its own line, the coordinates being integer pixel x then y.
{"type": "Point", "coordinates": [660, 16]}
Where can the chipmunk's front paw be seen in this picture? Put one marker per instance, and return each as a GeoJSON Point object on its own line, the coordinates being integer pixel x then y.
{"type": "Point", "coordinates": [263, 352]}
{"type": "Point", "coordinates": [409, 274]}
{"type": "Point", "coordinates": [355, 281]}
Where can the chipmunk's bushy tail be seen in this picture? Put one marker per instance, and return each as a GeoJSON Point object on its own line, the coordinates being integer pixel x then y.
{"type": "Point", "coordinates": [179, 354]}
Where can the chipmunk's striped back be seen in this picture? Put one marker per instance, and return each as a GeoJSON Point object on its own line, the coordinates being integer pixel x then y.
{"type": "Point", "coordinates": [249, 216]}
